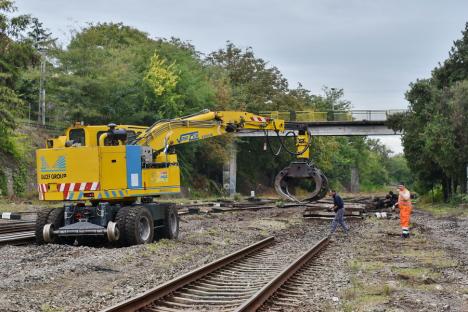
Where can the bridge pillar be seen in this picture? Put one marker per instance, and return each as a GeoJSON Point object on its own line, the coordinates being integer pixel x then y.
{"type": "Point", "coordinates": [230, 170]}
{"type": "Point", "coordinates": [354, 183]}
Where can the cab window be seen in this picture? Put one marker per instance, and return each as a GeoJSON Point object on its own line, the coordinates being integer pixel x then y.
{"type": "Point", "coordinates": [77, 136]}
{"type": "Point", "coordinates": [130, 136]}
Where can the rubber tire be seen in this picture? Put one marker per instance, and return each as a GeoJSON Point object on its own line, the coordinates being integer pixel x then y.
{"type": "Point", "coordinates": [41, 221]}
{"type": "Point", "coordinates": [128, 219]}
{"type": "Point", "coordinates": [56, 218]}
{"type": "Point", "coordinates": [168, 231]}
{"type": "Point", "coordinates": [121, 220]}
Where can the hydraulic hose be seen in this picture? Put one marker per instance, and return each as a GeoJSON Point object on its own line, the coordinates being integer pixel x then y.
{"type": "Point", "coordinates": [275, 154]}
{"type": "Point", "coordinates": [283, 146]}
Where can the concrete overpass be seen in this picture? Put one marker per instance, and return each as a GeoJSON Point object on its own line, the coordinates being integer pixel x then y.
{"type": "Point", "coordinates": [334, 128]}
{"type": "Point", "coordinates": [334, 123]}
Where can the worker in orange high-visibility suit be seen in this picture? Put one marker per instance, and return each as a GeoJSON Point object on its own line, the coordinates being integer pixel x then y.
{"type": "Point", "coordinates": [404, 203]}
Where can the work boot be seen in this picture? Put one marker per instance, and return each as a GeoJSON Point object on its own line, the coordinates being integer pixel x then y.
{"type": "Point", "coordinates": [405, 233]}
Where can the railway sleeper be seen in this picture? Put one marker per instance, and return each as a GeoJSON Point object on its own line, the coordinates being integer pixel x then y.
{"type": "Point", "coordinates": [222, 301]}
{"type": "Point", "coordinates": [229, 284]}
{"type": "Point", "coordinates": [225, 289]}
{"type": "Point", "coordinates": [240, 283]}
{"type": "Point", "coordinates": [192, 291]}
{"type": "Point", "coordinates": [211, 297]}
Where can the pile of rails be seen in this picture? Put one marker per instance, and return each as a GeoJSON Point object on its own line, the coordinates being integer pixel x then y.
{"type": "Point", "coordinates": [355, 207]}
{"type": "Point", "coordinates": [225, 205]}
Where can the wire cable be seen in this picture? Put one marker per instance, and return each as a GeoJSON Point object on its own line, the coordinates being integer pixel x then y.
{"type": "Point", "coordinates": [283, 145]}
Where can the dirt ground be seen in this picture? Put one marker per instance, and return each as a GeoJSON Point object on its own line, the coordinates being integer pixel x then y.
{"type": "Point", "coordinates": [371, 270]}
{"type": "Point", "coordinates": [427, 272]}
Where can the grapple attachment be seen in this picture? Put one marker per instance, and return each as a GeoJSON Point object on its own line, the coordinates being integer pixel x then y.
{"type": "Point", "coordinates": [297, 171]}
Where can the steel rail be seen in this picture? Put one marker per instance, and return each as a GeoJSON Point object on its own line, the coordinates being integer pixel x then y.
{"type": "Point", "coordinates": [16, 238]}
{"type": "Point", "coordinates": [12, 227]}
{"type": "Point", "coordinates": [259, 298]}
{"type": "Point", "coordinates": [155, 293]}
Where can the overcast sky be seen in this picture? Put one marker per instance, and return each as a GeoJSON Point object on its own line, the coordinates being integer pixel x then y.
{"type": "Point", "coordinates": [372, 49]}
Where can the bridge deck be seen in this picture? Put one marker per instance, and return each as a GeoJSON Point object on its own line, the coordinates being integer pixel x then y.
{"type": "Point", "coordinates": [334, 123]}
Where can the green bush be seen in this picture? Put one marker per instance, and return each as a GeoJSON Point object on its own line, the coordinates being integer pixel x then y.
{"type": "Point", "coordinates": [3, 184]}
{"type": "Point", "coordinates": [19, 180]}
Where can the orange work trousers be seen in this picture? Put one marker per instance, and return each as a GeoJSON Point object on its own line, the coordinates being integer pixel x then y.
{"type": "Point", "coordinates": [405, 213]}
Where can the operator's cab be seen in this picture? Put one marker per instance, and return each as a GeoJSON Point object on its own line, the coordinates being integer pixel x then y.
{"type": "Point", "coordinates": [80, 135]}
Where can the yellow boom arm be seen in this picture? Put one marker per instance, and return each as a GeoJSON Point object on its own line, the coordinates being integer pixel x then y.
{"type": "Point", "coordinates": [164, 134]}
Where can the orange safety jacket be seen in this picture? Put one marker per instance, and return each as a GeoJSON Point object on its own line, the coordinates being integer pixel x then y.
{"type": "Point", "coordinates": [404, 203]}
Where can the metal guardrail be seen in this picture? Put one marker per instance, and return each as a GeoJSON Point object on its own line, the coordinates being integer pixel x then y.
{"type": "Point", "coordinates": [354, 115]}
{"type": "Point", "coordinates": [38, 125]}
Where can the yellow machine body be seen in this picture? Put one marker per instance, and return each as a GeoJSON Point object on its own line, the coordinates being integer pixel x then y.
{"type": "Point", "coordinates": [84, 165]}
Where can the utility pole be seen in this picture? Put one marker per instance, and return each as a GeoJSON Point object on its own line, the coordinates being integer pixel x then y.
{"type": "Point", "coordinates": [42, 107]}
{"type": "Point", "coordinates": [332, 102]}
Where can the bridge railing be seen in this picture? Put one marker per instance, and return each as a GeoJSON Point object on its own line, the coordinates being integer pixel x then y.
{"type": "Point", "coordinates": [354, 115]}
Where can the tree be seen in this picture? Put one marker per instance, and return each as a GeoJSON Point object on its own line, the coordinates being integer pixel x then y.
{"type": "Point", "coordinates": [162, 78]}
{"type": "Point", "coordinates": [435, 132]}
{"type": "Point", "coordinates": [254, 85]}
{"type": "Point", "coordinates": [15, 54]}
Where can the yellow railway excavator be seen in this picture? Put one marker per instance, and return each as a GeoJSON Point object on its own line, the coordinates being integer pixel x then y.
{"type": "Point", "coordinates": [108, 176]}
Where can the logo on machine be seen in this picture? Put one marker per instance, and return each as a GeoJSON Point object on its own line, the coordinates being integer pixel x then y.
{"type": "Point", "coordinates": [188, 137]}
{"type": "Point", "coordinates": [56, 171]}
{"type": "Point", "coordinates": [59, 166]}
{"type": "Point", "coordinates": [163, 176]}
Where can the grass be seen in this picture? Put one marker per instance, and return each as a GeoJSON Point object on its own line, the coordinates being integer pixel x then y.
{"type": "Point", "coordinates": [361, 296]}
{"type": "Point", "coordinates": [48, 308]}
{"type": "Point", "coordinates": [163, 243]}
{"type": "Point", "coordinates": [443, 209]}
{"type": "Point", "coordinates": [7, 205]}
{"type": "Point", "coordinates": [419, 274]}
{"type": "Point", "coordinates": [366, 266]}
{"type": "Point", "coordinates": [434, 258]}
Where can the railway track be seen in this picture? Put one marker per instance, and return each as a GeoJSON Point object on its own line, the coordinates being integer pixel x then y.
{"type": "Point", "coordinates": [241, 281]}
{"type": "Point", "coordinates": [16, 233]}
{"type": "Point", "coordinates": [292, 294]}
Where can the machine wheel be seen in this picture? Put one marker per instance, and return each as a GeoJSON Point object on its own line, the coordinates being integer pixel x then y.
{"type": "Point", "coordinates": [136, 225]}
{"type": "Point", "coordinates": [56, 219]}
{"type": "Point", "coordinates": [121, 220]}
{"type": "Point", "coordinates": [41, 221]}
{"type": "Point", "coordinates": [171, 223]}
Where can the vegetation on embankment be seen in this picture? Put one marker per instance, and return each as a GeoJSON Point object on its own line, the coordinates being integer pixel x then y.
{"type": "Point", "coordinates": [444, 209]}
{"type": "Point", "coordinates": [434, 204]}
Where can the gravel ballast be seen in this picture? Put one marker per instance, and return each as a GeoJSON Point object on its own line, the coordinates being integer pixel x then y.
{"type": "Point", "coordinates": [83, 278]}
